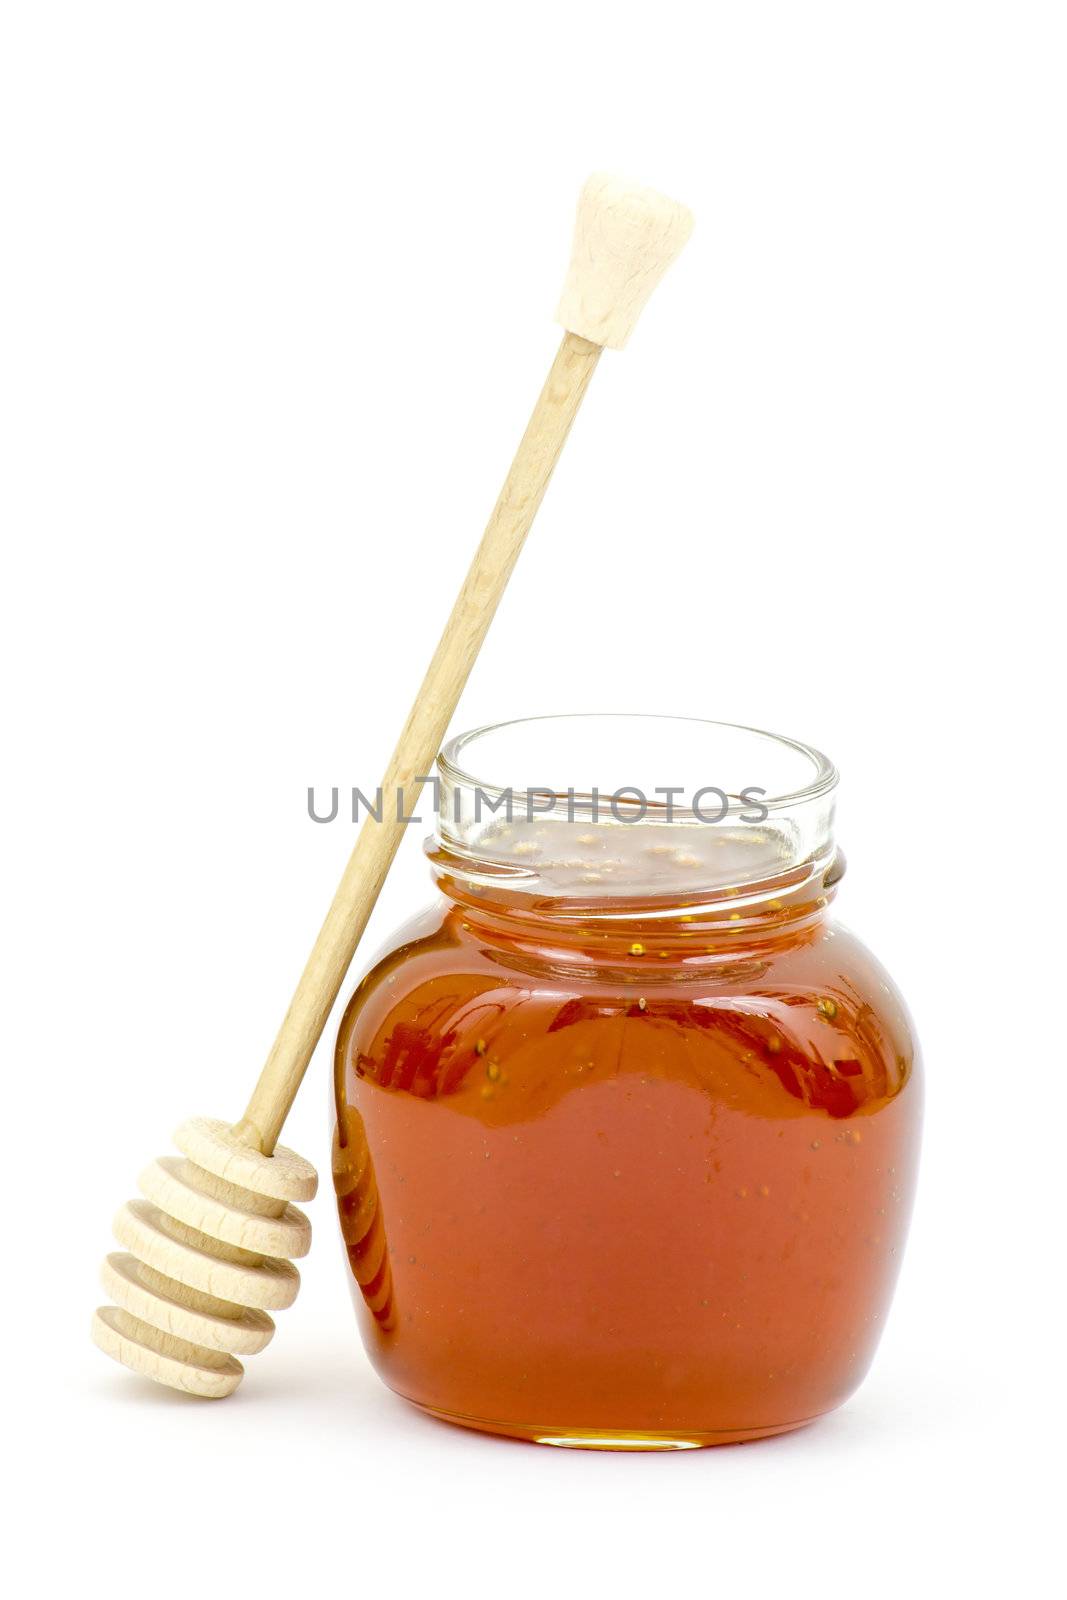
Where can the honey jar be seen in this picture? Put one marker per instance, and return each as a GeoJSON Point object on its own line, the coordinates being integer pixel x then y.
{"type": "Point", "coordinates": [626, 1124]}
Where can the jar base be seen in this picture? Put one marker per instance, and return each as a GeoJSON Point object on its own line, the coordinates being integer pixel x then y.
{"type": "Point", "coordinates": [611, 1439]}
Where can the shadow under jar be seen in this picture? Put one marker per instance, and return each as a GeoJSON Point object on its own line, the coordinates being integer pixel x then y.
{"type": "Point", "coordinates": [627, 1126]}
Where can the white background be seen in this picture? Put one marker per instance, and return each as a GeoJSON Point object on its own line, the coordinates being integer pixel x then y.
{"type": "Point", "coordinates": [278, 292]}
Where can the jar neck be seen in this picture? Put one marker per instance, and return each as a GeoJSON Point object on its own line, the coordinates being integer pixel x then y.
{"type": "Point", "coordinates": [634, 870]}
{"type": "Point", "coordinates": [724, 923]}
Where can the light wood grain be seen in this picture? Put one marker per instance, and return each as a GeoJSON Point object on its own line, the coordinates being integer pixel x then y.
{"type": "Point", "coordinates": [206, 1256]}
{"type": "Point", "coordinates": [218, 1149]}
{"type": "Point", "coordinates": [625, 238]}
{"type": "Point", "coordinates": [209, 1374]}
{"type": "Point", "coordinates": [200, 1322]}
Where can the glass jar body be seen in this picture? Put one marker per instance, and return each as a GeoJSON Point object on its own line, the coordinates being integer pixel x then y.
{"type": "Point", "coordinates": [641, 1186]}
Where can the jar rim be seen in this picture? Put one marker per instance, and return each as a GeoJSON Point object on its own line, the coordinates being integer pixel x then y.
{"type": "Point", "coordinates": [823, 781]}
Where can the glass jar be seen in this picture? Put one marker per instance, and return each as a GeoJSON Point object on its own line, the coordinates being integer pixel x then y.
{"type": "Point", "coordinates": [627, 1126]}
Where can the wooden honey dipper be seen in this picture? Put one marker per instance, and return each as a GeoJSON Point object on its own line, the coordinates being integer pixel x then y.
{"type": "Point", "coordinates": [209, 1246]}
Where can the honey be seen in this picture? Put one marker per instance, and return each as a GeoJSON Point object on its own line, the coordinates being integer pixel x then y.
{"type": "Point", "coordinates": [626, 1170]}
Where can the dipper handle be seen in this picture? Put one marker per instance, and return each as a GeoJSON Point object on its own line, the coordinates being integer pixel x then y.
{"type": "Point", "coordinates": [417, 748]}
{"type": "Point", "coordinates": [625, 238]}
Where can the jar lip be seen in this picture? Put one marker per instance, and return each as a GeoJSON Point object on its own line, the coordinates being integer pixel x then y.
{"type": "Point", "coordinates": [823, 781]}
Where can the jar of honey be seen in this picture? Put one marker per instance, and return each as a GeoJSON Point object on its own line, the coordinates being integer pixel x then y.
{"type": "Point", "coordinates": [626, 1124]}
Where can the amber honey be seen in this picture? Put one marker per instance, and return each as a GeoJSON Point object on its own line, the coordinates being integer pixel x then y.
{"type": "Point", "coordinates": [627, 1168]}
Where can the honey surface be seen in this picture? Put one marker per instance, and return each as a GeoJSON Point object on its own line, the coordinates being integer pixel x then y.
{"type": "Point", "coordinates": [608, 859]}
